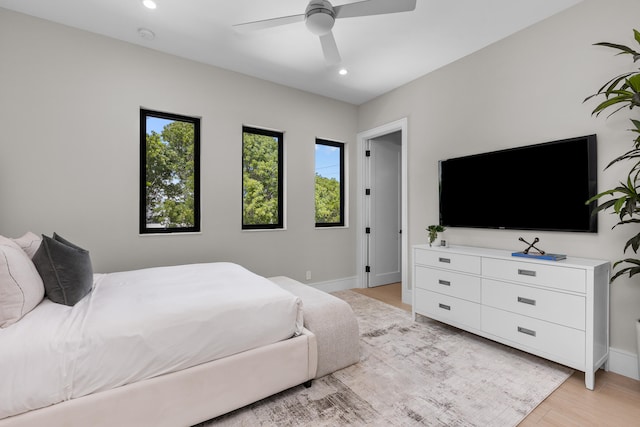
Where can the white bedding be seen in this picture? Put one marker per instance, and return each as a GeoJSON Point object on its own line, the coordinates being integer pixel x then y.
{"type": "Point", "coordinates": [136, 325]}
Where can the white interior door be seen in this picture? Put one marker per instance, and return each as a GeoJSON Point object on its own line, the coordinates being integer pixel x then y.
{"type": "Point", "coordinates": [385, 203]}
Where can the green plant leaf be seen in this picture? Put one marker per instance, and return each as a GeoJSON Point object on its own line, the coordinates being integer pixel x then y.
{"type": "Point", "coordinates": [624, 106]}
{"type": "Point", "coordinates": [627, 260]}
{"type": "Point", "coordinates": [603, 206]}
{"type": "Point", "coordinates": [612, 101]}
{"type": "Point", "coordinates": [624, 49]}
{"type": "Point", "coordinates": [621, 92]}
{"type": "Point", "coordinates": [610, 85]}
{"type": "Point", "coordinates": [634, 82]}
{"type": "Point", "coordinates": [619, 203]}
{"type": "Point", "coordinates": [626, 156]}
{"type": "Point", "coordinates": [627, 270]}
{"type": "Point", "coordinates": [600, 195]}
{"type": "Point", "coordinates": [634, 243]}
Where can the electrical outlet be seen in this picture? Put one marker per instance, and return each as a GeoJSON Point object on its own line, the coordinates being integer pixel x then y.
{"type": "Point", "coordinates": [308, 275]}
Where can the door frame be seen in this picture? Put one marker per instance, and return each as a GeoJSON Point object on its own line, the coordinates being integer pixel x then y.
{"type": "Point", "coordinates": [361, 242]}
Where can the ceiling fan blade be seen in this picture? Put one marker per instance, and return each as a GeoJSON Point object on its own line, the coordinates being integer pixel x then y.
{"type": "Point", "coordinates": [268, 23]}
{"type": "Point", "coordinates": [330, 48]}
{"type": "Point", "coordinates": [373, 7]}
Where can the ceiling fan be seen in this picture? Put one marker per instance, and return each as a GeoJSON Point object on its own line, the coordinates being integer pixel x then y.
{"type": "Point", "coordinates": [320, 16]}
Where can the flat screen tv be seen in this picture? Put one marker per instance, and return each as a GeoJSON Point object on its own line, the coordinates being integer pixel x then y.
{"type": "Point", "coordinates": [535, 187]}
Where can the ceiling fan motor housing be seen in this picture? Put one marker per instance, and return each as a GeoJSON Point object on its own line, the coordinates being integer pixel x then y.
{"type": "Point", "coordinates": [319, 17]}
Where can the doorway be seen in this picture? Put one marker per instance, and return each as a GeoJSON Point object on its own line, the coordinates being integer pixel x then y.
{"type": "Point", "coordinates": [382, 219]}
{"type": "Point", "coordinates": [384, 189]}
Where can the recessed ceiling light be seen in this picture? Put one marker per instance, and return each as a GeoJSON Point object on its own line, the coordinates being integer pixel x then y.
{"type": "Point", "coordinates": [149, 4]}
{"type": "Point", "coordinates": [343, 72]}
{"type": "Point", "coordinates": [146, 33]}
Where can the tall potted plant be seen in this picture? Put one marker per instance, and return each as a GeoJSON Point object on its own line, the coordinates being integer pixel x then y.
{"type": "Point", "coordinates": [619, 93]}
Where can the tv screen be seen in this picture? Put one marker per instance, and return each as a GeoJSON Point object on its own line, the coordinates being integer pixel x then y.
{"type": "Point", "coordinates": [536, 187]}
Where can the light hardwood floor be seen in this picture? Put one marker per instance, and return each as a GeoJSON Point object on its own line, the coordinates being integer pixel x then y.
{"type": "Point", "coordinates": [615, 401]}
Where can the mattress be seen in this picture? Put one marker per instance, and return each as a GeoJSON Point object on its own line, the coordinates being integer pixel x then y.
{"type": "Point", "coordinates": [139, 324]}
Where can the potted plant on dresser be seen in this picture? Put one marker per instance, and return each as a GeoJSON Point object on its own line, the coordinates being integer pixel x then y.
{"type": "Point", "coordinates": [433, 232]}
{"type": "Point", "coordinates": [620, 93]}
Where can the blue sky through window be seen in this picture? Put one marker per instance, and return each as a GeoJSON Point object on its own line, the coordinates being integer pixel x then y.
{"type": "Point", "coordinates": [328, 161]}
{"type": "Point", "coordinates": [156, 124]}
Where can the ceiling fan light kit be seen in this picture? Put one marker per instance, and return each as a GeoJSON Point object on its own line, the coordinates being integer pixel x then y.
{"type": "Point", "coordinates": [320, 16]}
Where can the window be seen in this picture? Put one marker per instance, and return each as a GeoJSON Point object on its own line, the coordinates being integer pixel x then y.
{"type": "Point", "coordinates": [329, 191]}
{"type": "Point", "coordinates": [262, 179]}
{"type": "Point", "coordinates": [169, 173]}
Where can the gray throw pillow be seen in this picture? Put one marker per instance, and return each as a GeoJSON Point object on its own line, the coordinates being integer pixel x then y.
{"type": "Point", "coordinates": [65, 269]}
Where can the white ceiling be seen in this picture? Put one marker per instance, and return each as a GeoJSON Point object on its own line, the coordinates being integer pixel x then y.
{"type": "Point", "coordinates": [381, 52]}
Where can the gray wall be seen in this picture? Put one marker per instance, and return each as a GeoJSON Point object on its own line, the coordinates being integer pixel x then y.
{"type": "Point", "coordinates": [523, 90]}
{"type": "Point", "coordinates": [69, 152]}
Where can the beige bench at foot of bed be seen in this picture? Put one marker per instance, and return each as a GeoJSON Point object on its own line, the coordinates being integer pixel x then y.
{"type": "Point", "coordinates": [333, 323]}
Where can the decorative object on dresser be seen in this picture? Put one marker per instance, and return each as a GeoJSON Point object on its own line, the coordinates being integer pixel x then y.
{"type": "Point", "coordinates": [540, 254]}
{"type": "Point", "coordinates": [531, 246]}
{"type": "Point", "coordinates": [433, 233]}
{"type": "Point", "coordinates": [556, 310]}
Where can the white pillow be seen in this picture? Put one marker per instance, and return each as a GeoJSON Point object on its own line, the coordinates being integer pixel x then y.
{"type": "Point", "coordinates": [29, 243]}
{"type": "Point", "coordinates": [21, 288]}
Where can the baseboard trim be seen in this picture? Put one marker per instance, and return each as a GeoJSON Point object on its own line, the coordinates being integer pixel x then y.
{"type": "Point", "coordinates": [336, 285]}
{"type": "Point", "coordinates": [623, 363]}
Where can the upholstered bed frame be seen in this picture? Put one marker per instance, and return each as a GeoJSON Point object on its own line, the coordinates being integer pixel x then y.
{"type": "Point", "coordinates": [330, 341]}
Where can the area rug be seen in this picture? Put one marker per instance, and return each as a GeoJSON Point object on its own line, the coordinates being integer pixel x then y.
{"type": "Point", "coordinates": [412, 373]}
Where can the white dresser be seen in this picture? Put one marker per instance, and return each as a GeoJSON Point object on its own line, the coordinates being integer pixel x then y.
{"type": "Point", "coordinates": [558, 310]}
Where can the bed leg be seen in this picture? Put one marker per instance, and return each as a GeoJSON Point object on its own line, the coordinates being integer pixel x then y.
{"type": "Point", "coordinates": [308, 383]}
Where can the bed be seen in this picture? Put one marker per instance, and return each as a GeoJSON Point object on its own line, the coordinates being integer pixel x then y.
{"type": "Point", "coordinates": [170, 346]}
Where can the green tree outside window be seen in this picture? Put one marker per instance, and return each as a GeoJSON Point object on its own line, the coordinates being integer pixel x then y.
{"type": "Point", "coordinates": [329, 183]}
{"type": "Point", "coordinates": [262, 198]}
{"type": "Point", "coordinates": [170, 173]}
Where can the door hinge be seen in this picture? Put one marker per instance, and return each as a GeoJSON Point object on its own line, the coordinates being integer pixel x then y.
{"type": "Point", "coordinates": [367, 153]}
{"type": "Point", "coordinates": [367, 192]}
{"type": "Point", "coordinates": [367, 230]}
{"type": "Point", "coordinates": [367, 269]}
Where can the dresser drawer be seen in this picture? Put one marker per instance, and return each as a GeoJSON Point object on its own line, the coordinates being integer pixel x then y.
{"type": "Point", "coordinates": [450, 261]}
{"type": "Point", "coordinates": [567, 345]}
{"type": "Point", "coordinates": [447, 308]}
{"type": "Point", "coordinates": [553, 276]}
{"type": "Point", "coordinates": [448, 283]}
{"type": "Point", "coordinates": [552, 306]}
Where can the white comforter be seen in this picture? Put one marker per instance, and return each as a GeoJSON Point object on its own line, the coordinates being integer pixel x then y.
{"type": "Point", "coordinates": [136, 325]}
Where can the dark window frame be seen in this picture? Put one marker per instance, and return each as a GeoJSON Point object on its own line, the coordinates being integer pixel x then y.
{"type": "Point", "coordinates": [280, 138]}
{"type": "Point", "coordinates": [342, 147]}
{"type": "Point", "coordinates": [144, 229]}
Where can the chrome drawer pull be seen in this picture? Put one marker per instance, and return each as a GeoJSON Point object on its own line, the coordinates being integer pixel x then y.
{"type": "Point", "coordinates": [527, 301]}
{"type": "Point", "coordinates": [446, 307]}
{"type": "Point", "coordinates": [526, 331]}
{"type": "Point", "coordinates": [526, 272]}
{"type": "Point", "coordinates": [445, 260]}
{"type": "Point", "coordinates": [444, 282]}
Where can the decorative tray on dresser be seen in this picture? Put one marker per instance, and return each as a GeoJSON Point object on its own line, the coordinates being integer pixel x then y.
{"type": "Point", "coordinates": [558, 310]}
